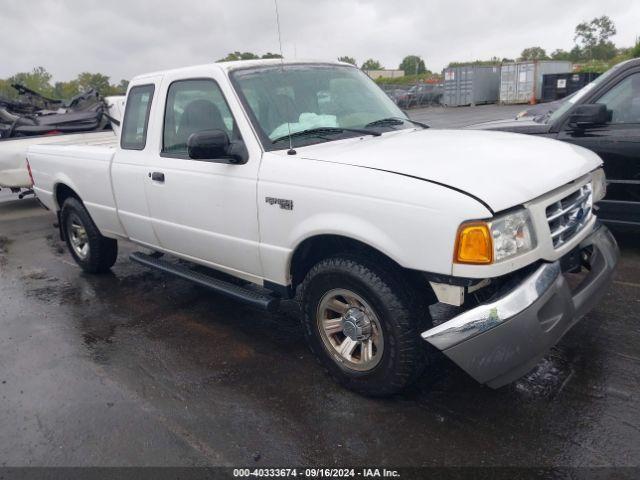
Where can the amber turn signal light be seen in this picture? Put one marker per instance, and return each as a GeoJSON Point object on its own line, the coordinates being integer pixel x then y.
{"type": "Point", "coordinates": [474, 244]}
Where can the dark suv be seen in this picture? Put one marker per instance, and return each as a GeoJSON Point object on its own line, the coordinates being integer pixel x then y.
{"type": "Point", "coordinates": [604, 117]}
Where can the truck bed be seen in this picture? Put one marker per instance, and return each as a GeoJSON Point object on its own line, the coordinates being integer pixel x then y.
{"type": "Point", "coordinates": [13, 151]}
{"type": "Point", "coordinates": [84, 165]}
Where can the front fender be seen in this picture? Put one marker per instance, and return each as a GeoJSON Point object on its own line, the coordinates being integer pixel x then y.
{"type": "Point", "coordinates": [348, 226]}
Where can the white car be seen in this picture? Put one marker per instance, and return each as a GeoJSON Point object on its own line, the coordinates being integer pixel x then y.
{"type": "Point", "coordinates": [304, 178]}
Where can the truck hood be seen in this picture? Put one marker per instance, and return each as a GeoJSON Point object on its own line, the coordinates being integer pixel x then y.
{"type": "Point", "coordinates": [500, 169]}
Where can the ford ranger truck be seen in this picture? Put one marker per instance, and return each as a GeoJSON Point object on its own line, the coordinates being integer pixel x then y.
{"type": "Point", "coordinates": [304, 180]}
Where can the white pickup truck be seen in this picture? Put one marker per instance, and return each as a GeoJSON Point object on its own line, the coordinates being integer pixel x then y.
{"type": "Point", "coordinates": [305, 179]}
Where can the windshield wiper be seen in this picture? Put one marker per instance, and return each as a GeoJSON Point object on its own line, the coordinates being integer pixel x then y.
{"type": "Point", "coordinates": [395, 121]}
{"type": "Point", "coordinates": [319, 131]}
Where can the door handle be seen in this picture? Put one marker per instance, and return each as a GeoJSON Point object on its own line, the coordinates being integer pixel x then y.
{"type": "Point", "coordinates": [157, 176]}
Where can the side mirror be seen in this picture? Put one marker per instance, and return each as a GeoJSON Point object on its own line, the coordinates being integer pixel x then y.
{"type": "Point", "coordinates": [588, 115]}
{"type": "Point", "coordinates": [208, 145]}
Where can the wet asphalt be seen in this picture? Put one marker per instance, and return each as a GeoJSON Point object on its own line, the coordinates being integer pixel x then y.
{"type": "Point", "coordinates": [136, 368]}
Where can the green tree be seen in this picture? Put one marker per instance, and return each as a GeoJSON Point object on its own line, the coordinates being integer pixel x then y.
{"type": "Point", "coordinates": [576, 54]}
{"type": "Point", "coordinates": [534, 53]}
{"type": "Point", "coordinates": [38, 79]}
{"type": "Point", "coordinates": [347, 59]}
{"type": "Point", "coordinates": [66, 90]}
{"type": "Point", "coordinates": [6, 91]}
{"type": "Point", "coordinates": [604, 28]}
{"type": "Point", "coordinates": [234, 56]}
{"type": "Point", "coordinates": [560, 54]}
{"type": "Point", "coordinates": [97, 81]}
{"type": "Point", "coordinates": [604, 51]}
{"type": "Point", "coordinates": [372, 64]}
{"type": "Point", "coordinates": [412, 64]}
{"type": "Point", "coordinates": [593, 38]}
{"type": "Point", "coordinates": [495, 61]}
{"type": "Point", "coordinates": [635, 51]}
{"type": "Point", "coordinates": [122, 86]}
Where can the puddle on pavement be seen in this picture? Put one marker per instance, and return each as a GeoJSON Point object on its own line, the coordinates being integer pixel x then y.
{"type": "Point", "coordinates": [549, 377]}
{"type": "Point", "coordinates": [35, 274]}
{"type": "Point", "coordinates": [55, 244]}
{"type": "Point", "coordinates": [4, 249]}
{"type": "Point", "coordinates": [4, 244]}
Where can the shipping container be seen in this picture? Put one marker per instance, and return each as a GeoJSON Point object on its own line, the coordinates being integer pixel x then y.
{"type": "Point", "coordinates": [559, 85]}
{"type": "Point", "coordinates": [471, 85]}
{"type": "Point", "coordinates": [521, 82]}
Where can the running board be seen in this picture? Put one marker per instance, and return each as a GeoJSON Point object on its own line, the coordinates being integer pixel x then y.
{"type": "Point", "coordinates": [230, 290]}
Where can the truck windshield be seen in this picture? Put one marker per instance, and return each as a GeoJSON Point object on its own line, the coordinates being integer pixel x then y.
{"type": "Point", "coordinates": [317, 103]}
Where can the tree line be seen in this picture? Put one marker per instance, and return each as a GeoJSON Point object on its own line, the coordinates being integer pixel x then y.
{"type": "Point", "coordinates": [592, 42]}
{"type": "Point", "coordinates": [411, 64]}
{"type": "Point", "coordinates": [593, 48]}
{"type": "Point", "coordinates": [234, 56]}
{"type": "Point", "coordinates": [39, 80]}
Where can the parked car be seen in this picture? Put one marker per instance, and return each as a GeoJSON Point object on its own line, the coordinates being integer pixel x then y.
{"type": "Point", "coordinates": [399, 96]}
{"type": "Point", "coordinates": [363, 215]}
{"type": "Point", "coordinates": [416, 95]}
{"type": "Point", "coordinates": [424, 94]}
{"type": "Point", "coordinates": [604, 117]}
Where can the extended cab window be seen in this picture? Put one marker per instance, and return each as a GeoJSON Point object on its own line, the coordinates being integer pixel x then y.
{"type": "Point", "coordinates": [194, 106]}
{"type": "Point", "coordinates": [136, 118]}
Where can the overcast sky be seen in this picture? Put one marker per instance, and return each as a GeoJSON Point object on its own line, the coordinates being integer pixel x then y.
{"type": "Point", "coordinates": [122, 38]}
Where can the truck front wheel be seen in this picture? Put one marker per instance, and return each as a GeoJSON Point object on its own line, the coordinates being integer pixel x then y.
{"type": "Point", "coordinates": [93, 252]}
{"type": "Point", "coordinates": [363, 322]}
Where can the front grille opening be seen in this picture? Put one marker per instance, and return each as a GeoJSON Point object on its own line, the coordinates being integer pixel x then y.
{"type": "Point", "coordinates": [567, 216]}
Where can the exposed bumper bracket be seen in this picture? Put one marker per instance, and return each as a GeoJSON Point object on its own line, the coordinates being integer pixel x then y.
{"type": "Point", "coordinates": [500, 341]}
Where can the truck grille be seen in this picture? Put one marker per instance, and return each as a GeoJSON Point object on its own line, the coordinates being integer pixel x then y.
{"type": "Point", "coordinates": [567, 216]}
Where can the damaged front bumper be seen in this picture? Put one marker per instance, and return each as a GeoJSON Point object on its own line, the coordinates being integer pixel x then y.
{"type": "Point", "coordinates": [499, 341]}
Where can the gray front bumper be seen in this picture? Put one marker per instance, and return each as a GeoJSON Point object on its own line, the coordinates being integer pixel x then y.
{"type": "Point", "coordinates": [498, 342]}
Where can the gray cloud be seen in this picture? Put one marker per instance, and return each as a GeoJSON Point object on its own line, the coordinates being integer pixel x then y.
{"type": "Point", "coordinates": [122, 38]}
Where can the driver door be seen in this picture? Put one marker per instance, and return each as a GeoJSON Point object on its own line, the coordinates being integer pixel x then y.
{"type": "Point", "coordinates": [202, 210]}
{"type": "Point", "coordinates": [618, 144]}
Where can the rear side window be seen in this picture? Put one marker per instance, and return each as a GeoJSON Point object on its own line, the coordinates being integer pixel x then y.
{"type": "Point", "coordinates": [136, 118]}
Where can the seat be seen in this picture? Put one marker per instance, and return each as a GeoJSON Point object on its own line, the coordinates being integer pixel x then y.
{"type": "Point", "coordinates": [199, 115]}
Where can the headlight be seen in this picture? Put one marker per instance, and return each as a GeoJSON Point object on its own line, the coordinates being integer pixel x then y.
{"type": "Point", "coordinates": [512, 235]}
{"type": "Point", "coordinates": [495, 240]}
{"type": "Point", "coordinates": [599, 185]}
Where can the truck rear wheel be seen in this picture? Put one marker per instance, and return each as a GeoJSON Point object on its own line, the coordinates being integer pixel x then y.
{"type": "Point", "coordinates": [363, 323]}
{"type": "Point", "coordinates": [93, 252]}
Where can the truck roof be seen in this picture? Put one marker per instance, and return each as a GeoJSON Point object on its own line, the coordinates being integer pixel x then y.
{"type": "Point", "coordinates": [230, 66]}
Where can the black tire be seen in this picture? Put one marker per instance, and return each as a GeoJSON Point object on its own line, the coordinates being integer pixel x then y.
{"type": "Point", "coordinates": [398, 306]}
{"type": "Point", "coordinates": [102, 251]}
